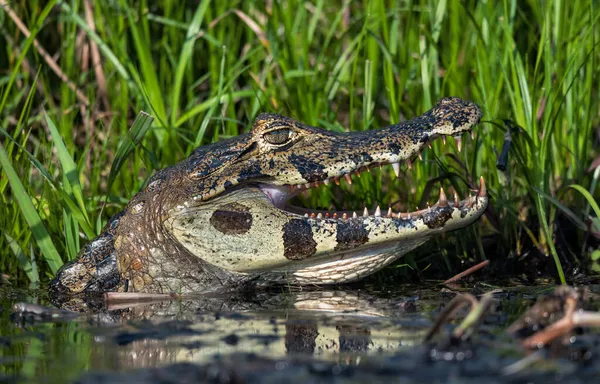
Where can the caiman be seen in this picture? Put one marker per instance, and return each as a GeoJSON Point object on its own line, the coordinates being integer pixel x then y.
{"type": "Point", "coordinates": [220, 219]}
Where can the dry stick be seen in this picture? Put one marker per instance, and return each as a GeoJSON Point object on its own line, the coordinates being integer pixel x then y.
{"type": "Point", "coordinates": [135, 296]}
{"type": "Point", "coordinates": [25, 63]}
{"type": "Point", "coordinates": [449, 310]}
{"type": "Point", "coordinates": [467, 272]}
{"type": "Point", "coordinates": [572, 318]}
{"type": "Point", "coordinates": [473, 318]}
{"type": "Point", "coordinates": [51, 62]}
{"type": "Point", "coordinates": [95, 53]}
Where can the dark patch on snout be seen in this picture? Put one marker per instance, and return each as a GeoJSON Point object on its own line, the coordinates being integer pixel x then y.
{"type": "Point", "coordinates": [437, 217]}
{"type": "Point", "coordinates": [250, 172]}
{"type": "Point", "coordinates": [350, 234]}
{"type": "Point", "coordinates": [309, 169]}
{"type": "Point", "coordinates": [232, 219]}
{"type": "Point", "coordinates": [298, 242]}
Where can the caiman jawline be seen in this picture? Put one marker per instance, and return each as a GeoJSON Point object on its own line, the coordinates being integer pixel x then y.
{"type": "Point", "coordinates": [281, 194]}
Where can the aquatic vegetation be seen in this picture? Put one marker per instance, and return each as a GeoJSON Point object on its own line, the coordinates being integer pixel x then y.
{"type": "Point", "coordinates": [74, 76]}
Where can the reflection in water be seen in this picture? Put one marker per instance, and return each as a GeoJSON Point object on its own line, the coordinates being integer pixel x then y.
{"type": "Point", "coordinates": [336, 326]}
{"type": "Point", "coordinates": [301, 338]}
{"type": "Point", "coordinates": [330, 324]}
{"type": "Point", "coordinates": [284, 336]}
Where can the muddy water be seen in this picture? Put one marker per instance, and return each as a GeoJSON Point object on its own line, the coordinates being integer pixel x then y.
{"type": "Point", "coordinates": [307, 336]}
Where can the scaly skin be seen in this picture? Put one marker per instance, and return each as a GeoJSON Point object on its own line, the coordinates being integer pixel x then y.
{"type": "Point", "coordinates": [218, 220]}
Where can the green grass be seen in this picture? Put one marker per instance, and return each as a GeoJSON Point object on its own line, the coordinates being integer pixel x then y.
{"type": "Point", "coordinates": [204, 71]}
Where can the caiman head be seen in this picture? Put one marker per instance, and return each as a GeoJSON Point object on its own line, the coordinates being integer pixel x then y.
{"type": "Point", "coordinates": [222, 217]}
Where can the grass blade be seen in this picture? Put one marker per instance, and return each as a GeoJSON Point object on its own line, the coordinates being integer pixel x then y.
{"type": "Point", "coordinates": [28, 266]}
{"type": "Point", "coordinates": [138, 130]}
{"type": "Point", "coordinates": [69, 168]}
{"type": "Point", "coordinates": [590, 199]}
{"type": "Point", "coordinates": [184, 57]}
{"type": "Point", "coordinates": [40, 234]}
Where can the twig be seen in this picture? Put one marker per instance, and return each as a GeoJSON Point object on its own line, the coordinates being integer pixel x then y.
{"type": "Point", "coordinates": [467, 272]}
{"type": "Point", "coordinates": [449, 310]}
{"type": "Point", "coordinates": [47, 58]}
{"type": "Point", "coordinates": [95, 53]}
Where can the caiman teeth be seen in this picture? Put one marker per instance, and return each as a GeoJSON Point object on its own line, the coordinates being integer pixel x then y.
{"type": "Point", "coordinates": [458, 140]}
{"type": "Point", "coordinates": [396, 167]}
{"type": "Point", "coordinates": [442, 200]}
{"type": "Point", "coordinates": [482, 190]}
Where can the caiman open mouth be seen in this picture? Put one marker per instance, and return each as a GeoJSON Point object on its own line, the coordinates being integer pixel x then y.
{"type": "Point", "coordinates": [281, 194]}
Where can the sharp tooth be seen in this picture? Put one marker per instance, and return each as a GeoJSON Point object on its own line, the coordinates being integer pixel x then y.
{"type": "Point", "coordinates": [319, 216]}
{"type": "Point", "coordinates": [482, 189]}
{"type": "Point", "coordinates": [399, 215]}
{"type": "Point", "coordinates": [366, 212]}
{"type": "Point", "coordinates": [348, 178]}
{"type": "Point", "coordinates": [354, 215]}
{"type": "Point", "coordinates": [380, 165]}
{"type": "Point", "coordinates": [344, 216]}
{"type": "Point", "coordinates": [378, 211]}
{"type": "Point", "coordinates": [389, 212]}
{"type": "Point", "coordinates": [336, 180]}
{"type": "Point", "coordinates": [409, 164]}
{"type": "Point", "coordinates": [396, 167]}
{"type": "Point", "coordinates": [444, 140]}
{"type": "Point", "coordinates": [327, 215]}
{"type": "Point", "coordinates": [326, 181]}
{"type": "Point", "coordinates": [428, 207]}
{"type": "Point", "coordinates": [307, 185]}
{"type": "Point", "coordinates": [420, 156]}
{"type": "Point", "coordinates": [357, 173]}
{"type": "Point", "coordinates": [306, 215]}
{"type": "Point", "coordinates": [312, 215]}
{"type": "Point", "coordinates": [429, 144]}
{"type": "Point", "coordinates": [456, 199]}
{"type": "Point", "coordinates": [472, 135]}
{"type": "Point", "coordinates": [458, 143]}
{"type": "Point", "coordinates": [442, 200]}
{"type": "Point", "coordinates": [335, 215]}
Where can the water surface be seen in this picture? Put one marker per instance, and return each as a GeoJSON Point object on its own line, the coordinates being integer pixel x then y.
{"type": "Point", "coordinates": [296, 336]}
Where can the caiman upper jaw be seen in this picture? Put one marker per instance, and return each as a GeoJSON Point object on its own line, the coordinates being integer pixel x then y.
{"type": "Point", "coordinates": [361, 151]}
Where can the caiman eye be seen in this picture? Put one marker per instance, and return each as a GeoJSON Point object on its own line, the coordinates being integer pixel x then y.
{"type": "Point", "coordinates": [278, 136]}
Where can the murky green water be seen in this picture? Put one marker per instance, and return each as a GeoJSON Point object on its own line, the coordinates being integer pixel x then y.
{"type": "Point", "coordinates": [308, 336]}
